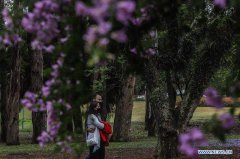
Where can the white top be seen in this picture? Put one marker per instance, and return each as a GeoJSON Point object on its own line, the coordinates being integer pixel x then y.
{"type": "Point", "coordinates": [94, 121]}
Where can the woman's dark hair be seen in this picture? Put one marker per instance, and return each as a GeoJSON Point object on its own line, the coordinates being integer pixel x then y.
{"type": "Point", "coordinates": [91, 108]}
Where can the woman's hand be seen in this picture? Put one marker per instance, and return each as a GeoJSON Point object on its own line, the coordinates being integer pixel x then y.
{"type": "Point", "coordinates": [91, 130]}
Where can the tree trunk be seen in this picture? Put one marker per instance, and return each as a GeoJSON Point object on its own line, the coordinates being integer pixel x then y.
{"type": "Point", "coordinates": [150, 123]}
{"type": "Point", "coordinates": [77, 120]}
{"type": "Point", "coordinates": [4, 117]}
{"type": "Point", "coordinates": [123, 114]}
{"type": "Point", "coordinates": [39, 119]}
{"type": "Point", "coordinates": [104, 104]}
{"type": "Point", "coordinates": [168, 142]}
{"type": "Point", "coordinates": [3, 93]}
{"type": "Point", "coordinates": [13, 102]}
{"type": "Point", "coordinates": [164, 97]}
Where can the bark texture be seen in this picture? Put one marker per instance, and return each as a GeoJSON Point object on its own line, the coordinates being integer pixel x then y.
{"type": "Point", "coordinates": [13, 101]}
{"type": "Point", "coordinates": [39, 119]}
{"type": "Point", "coordinates": [150, 123]}
{"type": "Point", "coordinates": [123, 114]}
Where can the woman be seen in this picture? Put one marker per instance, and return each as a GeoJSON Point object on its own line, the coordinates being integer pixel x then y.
{"type": "Point", "coordinates": [94, 122]}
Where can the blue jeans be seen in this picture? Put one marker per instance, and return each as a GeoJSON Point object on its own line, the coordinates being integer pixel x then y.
{"type": "Point", "coordinates": [98, 154]}
{"type": "Point", "coordinates": [87, 157]}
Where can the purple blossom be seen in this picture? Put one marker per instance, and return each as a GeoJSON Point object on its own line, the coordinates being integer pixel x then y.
{"type": "Point", "coordinates": [16, 39]}
{"type": "Point", "coordinates": [49, 106]}
{"type": "Point", "coordinates": [7, 19]}
{"type": "Point", "coordinates": [151, 51]}
{"type": "Point", "coordinates": [37, 45]}
{"type": "Point", "coordinates": [220, 3]}
{"type": "Point", "coordinates": [91, 35]}
{"type": "Point", "coordinates": [119, 36]}
{"type": "Point", "coordinates": [45, 91]}
{"type": "Point", "coordinates": [136, 21]}
{"type": "Point", "coordinates": [44, 138]}
{"type": "Point", "coordinates": [212, 98]}
{"type": "Point", "coordinates": [55, 74]}
{"type": "Point", "coordinates": [10, 40]}
{"type": "Point", "coordinates": [60, 61]}
{"type": "Point", "coordinates": [43, 23]}
{"type": "Point", "coordinates": [31, 96]}
{"type": "Point", "coordinates": [53, 123]}
{"type": "Point", "coordinates": [198, 136]}
{"type": "Point", "coordinates": [55, 66]}
{"type": "Point", "coordinates": [36, 104]}
{"type": "Point", "coordinates": [99, 12]}
{"type": "Point", "coordinates": [210, 92]}
{"type": "Point", "coordinates": [184, 138]}
{"type": "Point", "coordinates": [65, 39]}
{"type": "Point", "coordinates": [49, 49]}
{"type": "Point", "coordinates": [188, 150]}
{"type": "Point", "coordinates": [49, 83]}
{"type": "Point", "coordinates": [7, 40]}
{"type": "Point", "coordinates": [27, 22]}
{"type": "Point", "coordinates": [215, 101]}
{"type": "Point", "coordinates": [81, 9]}
{"type": "Point", "coordinates": [144, 11]}
{"type": "Point", "coordinates": [187, 141]}
{"type": "Point", "coordinates": [133, 50]}
{"type": "Point", "coordinates": [124, 11]}
{"type": "Point", "coordinates": [42, 105]}
{"type": "Point", "coordinates": [103, 42]}
{"type": "Point", "coordinates": [27, 103]}
{"type": "Point", "coordinates": [152, 34]}
{"type": "Point", "coordinates": [227, 120]}
{"type": "Point", "coordinates": [68, 106]}
{"type": "Point", "coordinates": [104, 28]}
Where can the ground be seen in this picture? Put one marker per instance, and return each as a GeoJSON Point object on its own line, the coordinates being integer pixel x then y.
{"type": "Point", "coordinates": [140, 146]}
{"type": "Point", "coordinates": [129, 153]}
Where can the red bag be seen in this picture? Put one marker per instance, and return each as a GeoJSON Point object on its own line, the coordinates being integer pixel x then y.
{"type": "Point", "coordinates": [105, 132]}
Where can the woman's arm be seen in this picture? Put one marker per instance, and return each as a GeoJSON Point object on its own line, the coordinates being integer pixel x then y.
{"type": "Point", "coordinates": [96, 122]}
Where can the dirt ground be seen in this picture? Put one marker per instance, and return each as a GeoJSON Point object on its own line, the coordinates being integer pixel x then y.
{"type": "Point", "coordinates": [140, 153]}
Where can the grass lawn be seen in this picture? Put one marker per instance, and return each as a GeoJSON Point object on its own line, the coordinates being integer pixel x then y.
{"type": "Point", "coordinates": [25, 148]}
{"type": "Point", "coordinates": [201, 113]}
